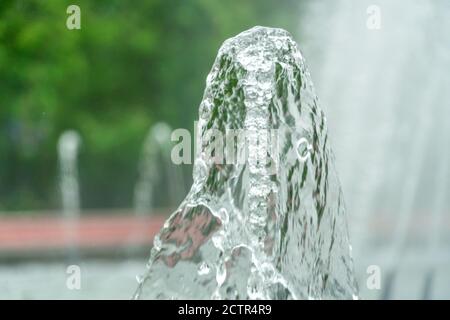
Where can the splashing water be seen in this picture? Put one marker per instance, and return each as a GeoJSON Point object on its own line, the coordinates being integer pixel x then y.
{"type": "Point", "coordinates": [250, 230]}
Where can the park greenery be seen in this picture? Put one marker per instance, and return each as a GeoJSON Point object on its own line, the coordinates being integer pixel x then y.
{"type": "Point", "coordinates": [132, 64]}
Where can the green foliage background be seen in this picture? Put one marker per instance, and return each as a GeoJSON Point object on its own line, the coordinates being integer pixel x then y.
{"type": "Point", "coordinates": [132, 63]}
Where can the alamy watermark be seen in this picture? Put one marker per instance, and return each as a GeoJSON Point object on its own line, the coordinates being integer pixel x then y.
{"type": "Point", "coordinates": [73, 21]}
{"type": "Point", "coordinates": [373, 21]}
{"type": "Point", "coordinates": [259, 147]}
{"type": "Point", "coordinates": [373, 281]}
{"type": "Point", "coordinates": [73, 281]}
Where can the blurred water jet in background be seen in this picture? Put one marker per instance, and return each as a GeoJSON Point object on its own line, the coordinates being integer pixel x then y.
{"type": "Point", "coordinates": [68, 145]}
{"type": "Point", "coordinates": [386, 94]}
{"type": "Point", "coordinates": [155, 170]}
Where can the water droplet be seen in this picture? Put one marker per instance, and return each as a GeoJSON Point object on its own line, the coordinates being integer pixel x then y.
{"type": "Point", "coordinates": [303, 149]}
{"type": "Point", "coordinates": [203, 269]}
{"type": "Point", "coordinates": [221, 274]}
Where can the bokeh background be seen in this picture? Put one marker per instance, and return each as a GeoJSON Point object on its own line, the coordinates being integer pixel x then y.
{"type": "Point", "coordinates": [136, 69]}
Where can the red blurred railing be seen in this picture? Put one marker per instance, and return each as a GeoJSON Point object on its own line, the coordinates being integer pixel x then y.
{"type": "Point", "coordinates": [91, 230]}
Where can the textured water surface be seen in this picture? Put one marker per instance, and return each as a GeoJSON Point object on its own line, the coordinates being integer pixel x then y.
{"type": "Point", "coordinates": [272, 226]}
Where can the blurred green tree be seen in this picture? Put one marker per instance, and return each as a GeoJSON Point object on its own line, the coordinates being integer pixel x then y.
{"type": "Point", "coordinates": [132, 63]}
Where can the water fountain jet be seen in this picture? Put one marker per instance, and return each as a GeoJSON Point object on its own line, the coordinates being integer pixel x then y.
{"type": "Point", "coordinates": [244, 231]}
{"type": "Point", "coordinates": [68, 145]}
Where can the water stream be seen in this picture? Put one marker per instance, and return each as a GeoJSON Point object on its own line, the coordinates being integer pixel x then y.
{"type": "Point", "coordinates": [68, 146]}
{"type": "Point", "coordinates": [272, 226]}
